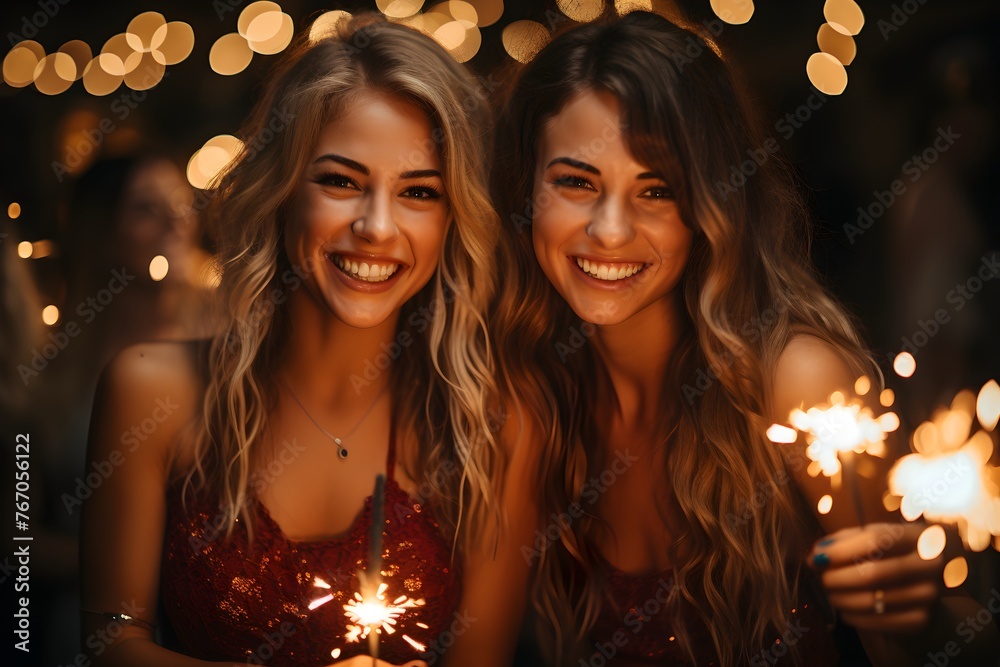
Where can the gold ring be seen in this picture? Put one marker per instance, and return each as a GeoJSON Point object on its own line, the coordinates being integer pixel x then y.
{"type": "Point", "coordinates": [879, 604]}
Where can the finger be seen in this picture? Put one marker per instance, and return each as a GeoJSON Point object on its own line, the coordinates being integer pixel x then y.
{"type": "Point", "coordinates": [904, 598]}
{"type": "Point", "coordinates": [872, 542]}
{"type": "Point", "coordinates": [886, 573]}
{"type": "Point", "coordinates": [906, 622]}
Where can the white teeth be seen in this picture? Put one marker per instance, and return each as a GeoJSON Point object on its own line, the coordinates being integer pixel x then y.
{"type": "Point", "coordinates": [368, 272]}
{"type": "Point", "coordinates": [615, 271]}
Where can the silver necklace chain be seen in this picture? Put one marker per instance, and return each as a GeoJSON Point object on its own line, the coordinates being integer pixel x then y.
{"type": "Point", "coordinates": [341, 450]}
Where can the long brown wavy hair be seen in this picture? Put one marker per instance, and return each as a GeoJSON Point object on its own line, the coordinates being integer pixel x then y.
{"type": "Point", "coordinates": [444, 391]}
{"type": "Point", "coordinates": [685, 117]}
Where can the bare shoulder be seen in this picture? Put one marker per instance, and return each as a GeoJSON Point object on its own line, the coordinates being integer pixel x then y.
{"type": "Point", "coordinates": [520, 434]}
{"type": "Point", "coordinates": [149, 393]}
{"type": "Point", "coordinates": [807, 371]}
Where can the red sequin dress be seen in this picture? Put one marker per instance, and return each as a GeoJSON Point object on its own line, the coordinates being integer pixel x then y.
{"type": "Point", "coordinates": [634, 626]}
{"type": "Point", "coordinates": [228, 601]}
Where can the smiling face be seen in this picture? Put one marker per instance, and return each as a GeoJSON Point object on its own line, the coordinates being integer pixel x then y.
{"type": "Point", "coordinates": [606, 229]}
{"type": "Point", "coordinates": [370, 214]}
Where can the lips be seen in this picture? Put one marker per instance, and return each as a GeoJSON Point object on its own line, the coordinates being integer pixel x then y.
{"type": "Point", "coordinates": [370, 270]}
{"type": "Point", "coordinates": [609, 271]}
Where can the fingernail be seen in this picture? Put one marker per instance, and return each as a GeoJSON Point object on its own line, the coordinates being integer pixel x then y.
{"type": "Point", "coordinates": [825, 543]}
{"type": "Point", "coordinates": [821, 560]}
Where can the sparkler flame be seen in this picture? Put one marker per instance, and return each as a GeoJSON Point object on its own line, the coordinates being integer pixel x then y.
{"type": "Point", "coordinates": [948, 478]}
{"type": "Point", "coordinates": [834, 433]}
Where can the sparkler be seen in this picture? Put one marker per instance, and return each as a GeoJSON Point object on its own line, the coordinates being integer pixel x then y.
{"type": "Point", "coordinates": [835, 433]}
{"type": "Point", "coordinates": [948, 478]}
{"type": "Point", "coordinates": [369, 614]}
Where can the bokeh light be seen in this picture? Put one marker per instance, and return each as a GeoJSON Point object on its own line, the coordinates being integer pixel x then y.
{"type": "Point", "coordinates": [826, 73]}
{"type": "Point", "coordinates": [844, 16]}
{"type": "Point", "coordinates": [81, 54]}
{"type": "Point", "coordinates": [104, 74]}
{"type": "Point", "coordinates": [489, 11]}
{"type": "Point", "coordinates": [278, 40]}
{"type": "Point", "coordinates": [734, 12]}
{"type": "Point", "coordinates": [523, 39]}
{"type": "Point", "coordinates": [326, 24]}
{"type": "Point", "coordinates": [175, 41]}
{"type": "Point", "coordinates": [230, 54]}
{"type": "Point", "coordinates": [24, 249]}
{"type": "Point", "coordinates": [904, 364]}
{"type": "Point", "coordinates": [158, 268]}
{"type": "Point", "coordinates": [931, 542]}
{"type": "Point", "coordinates": [581, 10]}
{"type": "Point", "coordinates": [55, 73]}
{"type": "Point", "coordinates": [143, 31]}
{"type": "Point", "coordinates": [956, 572]}
{"type": "Point", "coordinates": [19, 66]}
{"type": "Point", "coordinates": [14, 210]}
{"type": "Point", "coordinates": [50, 315]}
{"type": "Point", "coordinates": [837, 44]}
{"type": "Point", "coordinates": [399, 9]}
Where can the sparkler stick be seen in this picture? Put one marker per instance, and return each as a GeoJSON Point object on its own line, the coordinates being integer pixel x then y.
{"type": "Point", "coordinates": [375, 554]}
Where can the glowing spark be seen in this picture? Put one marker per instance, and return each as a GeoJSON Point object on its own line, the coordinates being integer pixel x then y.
{"type": "Point", "coordinates": [948, 478]}
{"type": "Point", "coordinates": [320, 601]}
{"type": "Point", "coordinates": [836, 429]}
{"type": "Point", "coordinates": [414, 643]}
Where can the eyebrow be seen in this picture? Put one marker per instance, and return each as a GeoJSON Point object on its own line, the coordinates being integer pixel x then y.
{"type": "Point", "coordinates": [357, 166]}
{"type": "Point", "coordinates": [576, 164]}
{"type": "Point", "coordinates": [597, 172]}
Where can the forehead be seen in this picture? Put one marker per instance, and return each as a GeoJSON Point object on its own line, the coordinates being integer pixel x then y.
{"type": "Point", "coordinates": [588, 125]}
{"type": "Point", "coordinates": [381, 131]}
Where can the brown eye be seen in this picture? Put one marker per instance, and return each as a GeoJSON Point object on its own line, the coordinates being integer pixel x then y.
{"type": "Point", "coordinates": [572, 182]}
{"type": "Point", "coordinates": [659, 192]}
{"type": "Point", "coordinates": [334, 180]}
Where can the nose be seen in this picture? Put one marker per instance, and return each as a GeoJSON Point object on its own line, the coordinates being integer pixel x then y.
{"type": "Point", "coordinates": [610, 225]}
{"type": "Point", "coordinates": [376, 224]}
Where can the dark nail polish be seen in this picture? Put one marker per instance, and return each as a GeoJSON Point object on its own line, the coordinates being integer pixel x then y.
{"type": "Point", "coordinates": [825, 543]}
{"type": "Point", "coordinates": [821, 560]}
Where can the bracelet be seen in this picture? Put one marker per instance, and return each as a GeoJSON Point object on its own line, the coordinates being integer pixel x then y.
{"type": "Point", "coordinates": [124, 619]}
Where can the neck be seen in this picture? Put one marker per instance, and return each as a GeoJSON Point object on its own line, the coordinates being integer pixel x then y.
{"type": "Point", "coordinates": [331, 361]}
{"type": "Point", "coordinates": [636, 354]}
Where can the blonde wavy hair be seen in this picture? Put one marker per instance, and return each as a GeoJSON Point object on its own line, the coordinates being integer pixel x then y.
{"type": "Point", "coordinates": [444, 392]}
{"type": "Point", "coordinates": [688, 119]}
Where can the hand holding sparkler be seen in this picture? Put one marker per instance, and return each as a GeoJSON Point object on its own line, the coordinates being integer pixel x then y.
{"type": "Point", "coordinates": [364, 661]}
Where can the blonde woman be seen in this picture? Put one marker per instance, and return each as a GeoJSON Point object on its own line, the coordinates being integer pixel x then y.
{"type": "Point", "coordinates": [658, 318]}
{"type": "Point", "coordinates": [356, 241]}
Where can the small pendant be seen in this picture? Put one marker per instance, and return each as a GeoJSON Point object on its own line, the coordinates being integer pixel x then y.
{"type": "Point", "coordinates": [341, 451]}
